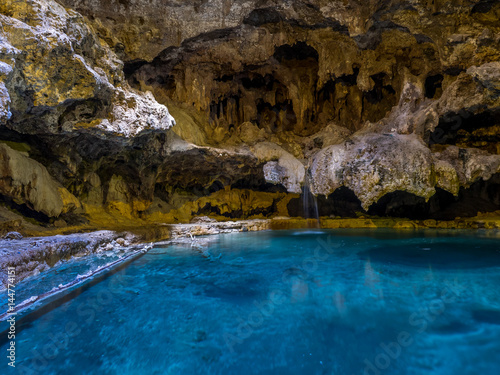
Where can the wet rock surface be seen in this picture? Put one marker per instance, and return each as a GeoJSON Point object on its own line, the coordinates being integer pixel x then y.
{"type": "Point", "coordinates": [35, 254]}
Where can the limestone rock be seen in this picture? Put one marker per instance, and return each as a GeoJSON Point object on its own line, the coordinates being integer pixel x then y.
{"type": "Point", "coordinates": [202, 220]}
{"type": "Point", "coordinates": [379, 97]}
{"type": "Point", "coordinates": [26, 181]}
{"type": "Point", "coordinates": [487, 74]}
{"type": "Point", "coordinates": [330, 135]}
{"type": "Point", "coordinates": [250, 133]}
{"type": "Point", "coordinates": [446, 176]}
{"type": "Point", "coordinates": [470, 164]}
{"type": "Point", "coordinates": [373, 165]}
{"type": "Point", "coordinates": [281, 167]}
{"type": "Point", "coordinates": [4, 103]}
{"type": "Point", "coordinates": [64, 76]}
{"type": "Point", "coordinates": [13, 236]}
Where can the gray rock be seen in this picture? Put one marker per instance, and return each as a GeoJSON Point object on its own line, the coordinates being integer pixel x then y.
{"type": "Point", "coordinates": [13, 236]}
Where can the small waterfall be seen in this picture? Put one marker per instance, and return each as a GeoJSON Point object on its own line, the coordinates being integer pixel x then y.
{"type": "Point", "coordinates": [310, 204]}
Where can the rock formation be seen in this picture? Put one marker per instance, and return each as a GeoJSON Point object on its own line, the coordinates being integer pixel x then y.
{"type": "Point", "coordinates": [131, 112]}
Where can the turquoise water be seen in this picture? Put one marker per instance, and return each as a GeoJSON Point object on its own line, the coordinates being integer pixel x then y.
{"type": "Point", "coordinates": [282, 302]}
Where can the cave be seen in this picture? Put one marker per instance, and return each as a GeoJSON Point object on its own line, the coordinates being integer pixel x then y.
{"type": "Point", "coordinates": [250, 88]}
{"type": "Point", "coordinates": [129, 67]}
{"type": "Point", "coordinates": [341, 203]}
{"type": "Point", "coordinates": [481, 196]}
{"type": "Point", "coordinates": [250, 187]}
{"type": "Point", "coordinates": [349, 79]}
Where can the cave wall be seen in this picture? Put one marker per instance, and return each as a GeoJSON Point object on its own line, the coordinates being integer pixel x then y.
{"type": "Point", "coordinates": [135, 112]}
{"type": "Point", "coordinates": [293, 69]}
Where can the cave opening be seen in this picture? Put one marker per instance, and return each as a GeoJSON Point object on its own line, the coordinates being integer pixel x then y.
{"type": "Point", "coordinates": [379, 100]}
{"type": "Point", "coordinates": [25, 210]}
{"type": "Point", "coordinates": [342, 202]}
{"type": "Point", "coordinates": [349, 79]}
{"type": "Point", "coordinates": [481, 196]}
{"type": "Point", "coordinates": [130, 67]}
{"type": "Point", "coordinates": [465, 129]}
{"type": "Point", "coordinates": [434, 86]}
{"type": "Point", "coordinates": [297, 51]}
{"type": "Point", "coordinates": [407, 205]}
{"type": "Point", "coordinates": [325, 102]}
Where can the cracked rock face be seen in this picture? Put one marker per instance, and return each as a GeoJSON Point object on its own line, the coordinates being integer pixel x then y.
{"type": "Point", "coordinates": [56, 75]}
{"type": "Point", "coordinates": [135, 112]}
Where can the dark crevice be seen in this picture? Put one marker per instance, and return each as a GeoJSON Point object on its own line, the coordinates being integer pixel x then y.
{"type": "Point", "coordinates": [433, 86]}
{"type": "Point", "coordinates": [379, 91]}
{"type": "Point", "coordinates": [269, 115]}
{"type": "Point", "coordinates": [81, 111]}
{"type": "Point", "coordinates": [130, 67]}
{"type": "Point", "coordinates": [349, 79]}
{"type": "Point", "coordinates": [25, 210]}
{"type": "Point", "coordinates": [323, 24]}
{"type": "Point", "coordinates": [405, 205]}
{"type": "Point", "coordinates": [373, 36]}
{"type": "Point", "coordinates": [209, 209]}
{"type": "Point", "coordinates": [258, 183]}
{"type": "Point", "coordinates": [453, 71]}
{"type": "Point", "coordinates": [262, 16]}
{"type": "Point", "coordinates": [421, 39]}
{"type": "Point", "coordinates": [210, 36]}
{"type": "Point", "coordinates": [298, 51]}
{"type": "Point", "coordinates": [468, 130]}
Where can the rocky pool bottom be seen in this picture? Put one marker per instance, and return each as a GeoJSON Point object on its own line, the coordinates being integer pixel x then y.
{"type": "Point", "coordinates": [309, 301]}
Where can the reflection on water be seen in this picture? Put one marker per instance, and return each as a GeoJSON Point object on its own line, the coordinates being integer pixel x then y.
{"type": "Point", "coordinates": [322, 302]}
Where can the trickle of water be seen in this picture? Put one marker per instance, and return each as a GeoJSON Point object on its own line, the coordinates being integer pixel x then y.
{"type": "Point", "coordinates": [310, 204]}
